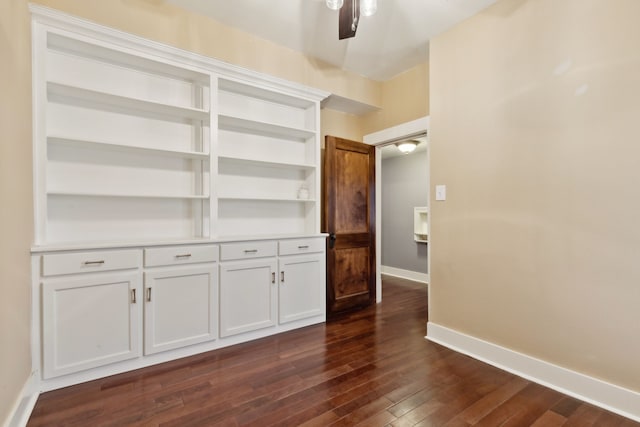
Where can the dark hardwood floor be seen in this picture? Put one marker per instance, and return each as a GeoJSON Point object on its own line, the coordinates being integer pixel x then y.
{"type": "Point", "coordinates": [370, 368]}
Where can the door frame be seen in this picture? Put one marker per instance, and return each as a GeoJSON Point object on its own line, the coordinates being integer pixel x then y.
{"type": "Point", "coordinates": [378, 139]}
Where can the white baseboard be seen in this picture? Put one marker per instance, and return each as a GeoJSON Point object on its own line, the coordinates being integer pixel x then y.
{"type": "Point", "coordinates": [19, 415]}
{"type": "Point", "coordinates": [405, 274]}
{"type": "Point", "coordinates": [592, 390]}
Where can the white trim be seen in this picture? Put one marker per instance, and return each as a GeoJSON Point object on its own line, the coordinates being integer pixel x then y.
{"type": "Point", "coordinates": [404, 130]}
{"type": "Point", "coordinates": [23, 406]}
{"type": "Point", "coordinates": [405, 274]}
{"type": "Point", "coordinates": [608, 396]}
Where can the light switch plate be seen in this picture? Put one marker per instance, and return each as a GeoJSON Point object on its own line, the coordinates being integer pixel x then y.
{"type": "Point", "coordinates": [441, 192]}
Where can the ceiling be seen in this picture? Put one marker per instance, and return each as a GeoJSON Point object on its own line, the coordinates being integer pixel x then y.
{"type": "Point", "coordinates": [393, 40]}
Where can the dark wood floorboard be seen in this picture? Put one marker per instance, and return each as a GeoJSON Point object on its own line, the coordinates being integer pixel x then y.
{"type": "Point", "coordinates": [369, 368]}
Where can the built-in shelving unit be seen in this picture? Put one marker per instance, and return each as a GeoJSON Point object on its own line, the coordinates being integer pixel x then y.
{"type": "Point", "coordinates": [135, 146]}
{"type": "Point", "coordinates": [268, 148]}
{"type": "Point", "coordinates": [157, 174]}
{"type": "Point", "coordinates": [122, 144]}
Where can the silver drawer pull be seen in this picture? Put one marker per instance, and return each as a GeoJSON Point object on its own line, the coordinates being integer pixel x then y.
{"type": "Point", "coordinates": [183, 256]}
{"type": "Point", "coordinates": [303, 247]}
{"type": "Point", "coordinates": [251, 251]}
{"type": "Point", "coordinates": [133, 296]}
{"type": "Point", "coordinates": [96, 263]}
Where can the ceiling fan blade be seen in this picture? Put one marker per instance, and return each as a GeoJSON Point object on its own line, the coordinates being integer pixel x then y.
{"type": "Point", "coordinates": [349, 16]}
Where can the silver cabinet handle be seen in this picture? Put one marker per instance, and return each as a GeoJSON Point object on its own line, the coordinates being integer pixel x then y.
{"type": "Point", "coordinates": [251, 251]}
{"type": "Point", "coordinates": [273, 277]}
{"type": "Point", "coordinates": [282, 276]}
{"type": "Point", "coordinates": [303, 247]}
{"type": "Point", "coordinates": [133, 296]}
{"type": "Point", "coordinates": [95, 263]}
{"type": "Point", "coordinates": [148, 294]}
{"type": "Point", "coordinates": [183, 256]}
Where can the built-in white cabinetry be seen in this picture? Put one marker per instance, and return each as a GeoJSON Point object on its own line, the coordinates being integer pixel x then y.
{"type": "Point", "coordinates": [180, 296]}
{"type": "Point", "coordinates": [90, 310]}
{"type": "Point", "coordinates": [260, 292]}
{"type": "Point", "coordinates": [248, 295]}
{"type": "Point", "coordinates": [301, 277]}
{"type": "Point", "coordinates": [100, 312]}
{"type": "Point", "coordinates": [176, 202]}
{"type": "Point", "coordinates": [248, 290]}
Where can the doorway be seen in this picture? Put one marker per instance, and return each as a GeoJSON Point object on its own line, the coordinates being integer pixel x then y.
{"type": "Point", "coordinates": [414, 129]}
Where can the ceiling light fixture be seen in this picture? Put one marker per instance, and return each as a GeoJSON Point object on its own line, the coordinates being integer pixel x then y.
{"type": "Point", "coordinates": [407, 147]}
{"type": "Point", "coordinates": [349, 15]}
{"type": "Point", "coordinates": [335, 4]}
{"type": "Point", "coordinates": [368, 7]}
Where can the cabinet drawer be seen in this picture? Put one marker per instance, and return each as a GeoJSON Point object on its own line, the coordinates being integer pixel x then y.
{"type": "Point", "coordinates": [246, 250]}
{"type": "Point", "coordinates": [300, 246]}
{"type": "Point", "coordinates": [90, 262]}
{"type": "Point", "coordinates": [176, 255]}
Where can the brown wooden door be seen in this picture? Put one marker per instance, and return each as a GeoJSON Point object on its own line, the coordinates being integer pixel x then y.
{"type": "Point", "coordinates": [349, 218]}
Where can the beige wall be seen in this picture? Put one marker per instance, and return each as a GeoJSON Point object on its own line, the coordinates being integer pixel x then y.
{"type": "Point", "coordinates": [15, 201]}
{"type": "Point", "coordinates": [404, 98]}
{"type": "Point", "coordinates": [535, 106]}
{"type": "Point", "coordinates": [337, 123]}
{"type": "Point", "coordinates": [157, 20]}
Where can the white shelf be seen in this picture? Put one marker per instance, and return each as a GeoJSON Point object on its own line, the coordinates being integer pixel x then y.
{"type": "Point", "coordinates": [97, 97]}
{"type": "Point", "coordinates": [266, 199]}
{"type": "Point", "coordinates": [267, 95]}
{"type": "Point", "coordinates": [97, 51]}
{"type": "Point", "coordinates": [121, 195]}
{"type": "Point", "coordinates": [74, 142]}
{"type": "Point", "coordinates": [262, 128]}
{"type": "Point", "coordinates": [420, 224]}
{"type": "Point", "coordinates": [257, 162]}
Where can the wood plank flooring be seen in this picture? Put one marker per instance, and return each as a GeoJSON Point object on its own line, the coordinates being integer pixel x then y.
{"type": "Point", "coordinates": [370, 368]}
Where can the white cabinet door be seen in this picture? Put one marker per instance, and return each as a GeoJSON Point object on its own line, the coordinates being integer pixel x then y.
{"type": "Point", "coordinates": [302, 287]}
{"type": "Point", "coordinates": [180, 307]}
{"type": "Point", "coordinates": [247, 296]}
{"type": "Point", "coordinates": [89, 321]}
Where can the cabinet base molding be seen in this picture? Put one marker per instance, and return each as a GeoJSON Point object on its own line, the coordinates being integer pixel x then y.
{"type": "Point", "coordinates": [20, 413]}
{"type": "Point", "coordinates": [608, 396]}
{"type": "Point", "coordinates": [167, 356]}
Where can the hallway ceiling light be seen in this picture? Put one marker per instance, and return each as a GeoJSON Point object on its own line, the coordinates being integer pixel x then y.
{"type": "Point", "coordinates": [407, 147]}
